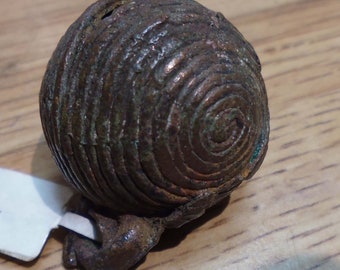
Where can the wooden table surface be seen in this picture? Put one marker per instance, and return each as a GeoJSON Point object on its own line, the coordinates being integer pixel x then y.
{"type": "Point", "coordinates": [288, 215]}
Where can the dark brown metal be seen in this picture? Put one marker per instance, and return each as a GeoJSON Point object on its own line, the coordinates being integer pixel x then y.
{"type": "Point", "coordinates": [125, 241]}
{"type": "Point", "coordinates": [155, 109]}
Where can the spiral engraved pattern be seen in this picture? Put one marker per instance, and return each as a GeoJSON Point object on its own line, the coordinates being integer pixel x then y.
{"type": "Point", "coordinates": [147, 104]}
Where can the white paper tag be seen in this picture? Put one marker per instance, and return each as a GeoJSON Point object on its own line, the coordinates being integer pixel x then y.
{"type": "Point", "coordinates": [80, 225]}
{"type": "Point", "coordinates": [29, 209]}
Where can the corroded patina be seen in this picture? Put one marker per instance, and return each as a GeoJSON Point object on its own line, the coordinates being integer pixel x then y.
{"type": "Point", "coordinates": [154, 111]}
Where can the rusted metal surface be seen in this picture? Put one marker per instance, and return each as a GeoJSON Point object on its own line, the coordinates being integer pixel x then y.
{"type": "Point", "coordinates": [155, 108]}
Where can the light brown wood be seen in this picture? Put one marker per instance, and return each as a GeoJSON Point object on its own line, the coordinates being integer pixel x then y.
{"type": "Point", "coordinates": [288, 215]}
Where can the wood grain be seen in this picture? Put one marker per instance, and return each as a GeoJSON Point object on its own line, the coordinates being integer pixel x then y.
{"type": "Point", "coordinates": [288, 215]}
